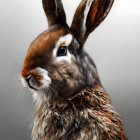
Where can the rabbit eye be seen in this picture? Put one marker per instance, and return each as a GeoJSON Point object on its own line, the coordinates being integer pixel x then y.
{"type": "Point", "coordinates": [62, 51]}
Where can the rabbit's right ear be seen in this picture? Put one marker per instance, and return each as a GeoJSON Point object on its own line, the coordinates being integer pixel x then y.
{"type": "Point", "coordinates": [89, 14]}
{"type": "Point", "coordinates": [55, 12]}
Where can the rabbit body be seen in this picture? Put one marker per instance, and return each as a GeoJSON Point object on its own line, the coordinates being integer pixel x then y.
{"type": "Point", "coordinates": [71, 103]}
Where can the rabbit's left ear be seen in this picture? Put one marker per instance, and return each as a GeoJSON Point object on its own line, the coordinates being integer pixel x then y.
{"type": "Point", "coordinates": [55, 12]}
{"type": "Point", "coordinates": [89, 14]}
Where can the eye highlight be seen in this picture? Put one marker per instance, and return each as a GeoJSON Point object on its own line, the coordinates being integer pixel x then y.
{"type": "Point", "coordinates": [62, 51]}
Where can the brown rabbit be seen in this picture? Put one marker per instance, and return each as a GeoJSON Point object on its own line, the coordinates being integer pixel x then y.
{"type": "Point", "coordinates": [70, 100]}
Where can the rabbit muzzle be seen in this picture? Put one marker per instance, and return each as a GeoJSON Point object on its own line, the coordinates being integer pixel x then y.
{"type": "Point", "coordinates": [36, 79]}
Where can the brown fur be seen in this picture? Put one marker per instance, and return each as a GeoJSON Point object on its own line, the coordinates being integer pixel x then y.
{"type": "Point", "coordinates": [39, 52]}
{"type": "Point", "coordinates": [74, 105]}
{"type": "Point", "coordinates": [98, 118]}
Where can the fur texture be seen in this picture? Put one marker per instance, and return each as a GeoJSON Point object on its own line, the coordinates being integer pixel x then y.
{"type": "Point", "coordinates": [71, 103]}
{"type": "Point", "coordinates": [87, 115]}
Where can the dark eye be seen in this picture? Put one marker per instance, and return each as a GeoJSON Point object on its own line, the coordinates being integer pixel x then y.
{"type": "Point", "coordinates": [62, 51]}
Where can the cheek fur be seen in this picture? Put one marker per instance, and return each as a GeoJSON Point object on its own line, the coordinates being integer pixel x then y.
{"type": "Point", "coordinates": [46, 80]}
{"type": "Point", "coordinates": [66, 79]}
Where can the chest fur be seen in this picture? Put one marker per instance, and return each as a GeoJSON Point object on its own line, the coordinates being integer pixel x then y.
{"type": "Point", "coordinates": [71, 125]}
{"type": "Point", "coordinates": [54, 125]}
{"type": "Point", "coordinates": [86, 116]}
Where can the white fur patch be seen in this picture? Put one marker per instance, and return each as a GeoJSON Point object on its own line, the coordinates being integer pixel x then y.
{"type": "Point", "coordinates": [23, 82]}
{"type": "Point", "coordinates": [95, 138]}
{"type": "Point", "coordinates": [46, 81]}
{"type": "Point", "coordinates": [67, 39]}
{"type": "Point", "coordinates": [38, 98]}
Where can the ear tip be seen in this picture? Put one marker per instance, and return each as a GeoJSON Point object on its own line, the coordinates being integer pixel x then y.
{"type": "Point", "coordinates": [54, 12]}
{"type": "Point", "coordinates": [111, 1]}
{"type": "Point", "coordinates": [109, 4]}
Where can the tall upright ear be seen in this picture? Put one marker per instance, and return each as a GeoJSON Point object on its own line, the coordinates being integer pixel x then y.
{"type": "Point", "coordinates": [54, 11]}
{"type": "Point", "coordinates": [89, 14]}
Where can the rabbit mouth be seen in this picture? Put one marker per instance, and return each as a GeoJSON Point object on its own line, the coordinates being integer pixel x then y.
{"type": "Point", "coordinates": [37, 80]}
{"type": "Point", "coordinates": [31, 82]}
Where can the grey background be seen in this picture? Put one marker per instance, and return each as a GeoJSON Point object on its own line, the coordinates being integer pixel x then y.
{"type": "Point", "coordinates": [114, 46]}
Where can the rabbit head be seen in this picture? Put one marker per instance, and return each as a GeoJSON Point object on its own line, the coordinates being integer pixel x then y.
{"type": "Point", "coordinates": [56, 62]}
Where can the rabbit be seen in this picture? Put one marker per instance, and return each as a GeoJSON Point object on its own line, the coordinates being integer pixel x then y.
{"type": "Point", "coordinates": [71, 103]}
